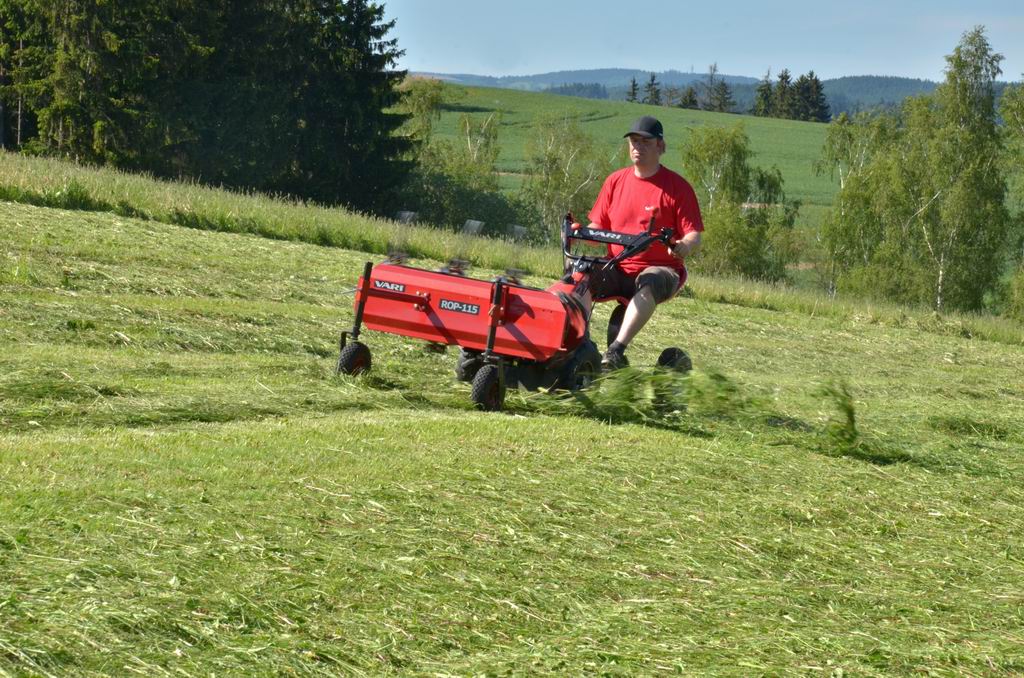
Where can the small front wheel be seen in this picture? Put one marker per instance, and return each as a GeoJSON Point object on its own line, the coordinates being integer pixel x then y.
{"type": "Point", "coordinates": [354, 359]}
{"type": "Point", "coordinates": [675, 359]}
{"type": "Point", "coordinates": [584, 367]}
{"type": "Point", "coordinates": [467, 365]}
{"type": "Point", "coordinates": [488, 391]}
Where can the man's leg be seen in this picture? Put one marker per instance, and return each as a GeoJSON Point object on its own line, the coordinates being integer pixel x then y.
{"type": "Point", "coordinates": [654, 285]}
{"type": "Point", "coordinates": [641, 308]}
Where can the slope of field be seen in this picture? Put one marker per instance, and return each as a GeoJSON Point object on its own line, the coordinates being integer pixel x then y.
{"type": "Point", "coordinates": [791, 145]}
{"type": "Point", "coordinates": [188, 489]}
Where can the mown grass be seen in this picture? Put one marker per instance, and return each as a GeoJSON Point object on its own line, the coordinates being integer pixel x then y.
{"type": "Point", "coordinates": [53, 183]}
{"type": "Point", "coordinates": [190, 490]}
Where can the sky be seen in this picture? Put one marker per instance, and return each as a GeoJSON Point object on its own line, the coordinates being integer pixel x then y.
{"type": "Point", "coordinates": [869, 37]}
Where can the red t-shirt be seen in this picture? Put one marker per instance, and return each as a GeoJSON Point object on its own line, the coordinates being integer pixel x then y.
{"type": "Point", "coordinates": [621, 207]}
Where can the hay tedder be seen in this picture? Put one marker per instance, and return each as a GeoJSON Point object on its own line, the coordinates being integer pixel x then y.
{"type": "Point", "coordinates": [510, 334]}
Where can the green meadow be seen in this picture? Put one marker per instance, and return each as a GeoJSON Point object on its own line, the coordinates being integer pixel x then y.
{"type": "Point", "coordinates": [189, 489]}
{"type": "Point", "coordinates": [790, 145]}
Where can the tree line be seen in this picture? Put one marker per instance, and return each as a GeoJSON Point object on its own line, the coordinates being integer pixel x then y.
{"type": "Point", "coordinates": [803, 99]}
{"type": "Point", "coordinates": [587, 90]}
{"type": "Point", "coordinates": [283, 96]}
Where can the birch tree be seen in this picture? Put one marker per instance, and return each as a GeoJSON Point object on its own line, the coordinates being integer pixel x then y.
{"type": "Point", "coordinates": [564, 171]}
{"type": "Point", "coordinates": [930, 196]}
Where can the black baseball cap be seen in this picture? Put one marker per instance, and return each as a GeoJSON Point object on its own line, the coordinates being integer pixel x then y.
{"type": "Point", "coordinates": [647, 127]}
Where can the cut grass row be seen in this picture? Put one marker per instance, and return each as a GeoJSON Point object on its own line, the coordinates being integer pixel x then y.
{"type": "Point", "coordinates": [189, 489]}
{"type": "Point", "coordinates": [164, 297]}
{"type": "Point", "coordinates": [390, 544]}
{"type": "Point", "coordinates": [55, 183]}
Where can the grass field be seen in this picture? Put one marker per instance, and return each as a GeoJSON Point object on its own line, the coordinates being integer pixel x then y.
{"type": "Point", "coordinates": [792, 146]}
{"type": "Point", "coordinates": [189, 490]}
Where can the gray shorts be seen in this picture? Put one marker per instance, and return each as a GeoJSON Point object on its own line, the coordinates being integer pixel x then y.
{"type": "Point", "coordinates": [663, 281]}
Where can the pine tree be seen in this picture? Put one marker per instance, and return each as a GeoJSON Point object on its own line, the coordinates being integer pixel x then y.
{"type": "Point", "coordinates": [802, 99]}
{"type": "Point", "coordinates": [176, 87]}
{"type": "Point", "coordinates": [819, 108]}
{"type": "Point", "coordinates": [633, 92]}
{"type": "Point", "coordinates": [25, 51]}
{"type": "Point", "coordinates": [689, 98]}
{"type": "Point", "coordinates": [764, 102]}
{"type": "Point", "coordinates": [720, 98]}
{"type": "Point", "coordinates": [343, 146]}
{"type": "Point", "coordinates": [91, 78]}
{"type": "Point", "coordinates": [783, 106]}
{"type": "Point", "coordinates": [652, 91]}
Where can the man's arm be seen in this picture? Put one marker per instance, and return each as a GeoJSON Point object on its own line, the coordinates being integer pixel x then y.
{"type": "Point", "coordinates": [687, 245]}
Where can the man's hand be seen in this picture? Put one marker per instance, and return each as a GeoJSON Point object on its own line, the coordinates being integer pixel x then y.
{"type": "Point", "coordinates": [687, 245]}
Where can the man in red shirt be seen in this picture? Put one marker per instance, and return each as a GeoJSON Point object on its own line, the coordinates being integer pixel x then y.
{"type": "Point", "coordinates": [626, 203]}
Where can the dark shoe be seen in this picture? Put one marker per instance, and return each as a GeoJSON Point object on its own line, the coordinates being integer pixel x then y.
{"type": "Point", "coordinates": [614, 360]}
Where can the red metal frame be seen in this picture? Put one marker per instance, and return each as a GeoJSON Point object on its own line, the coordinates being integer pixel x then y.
{"type": "Point", "coordinates": [521, 322]}
{"type": "Point", "coordinates": [450, 309]}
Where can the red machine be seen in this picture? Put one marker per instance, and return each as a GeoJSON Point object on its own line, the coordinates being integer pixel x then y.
{"type": "Point", "coordinates": [510, 334]}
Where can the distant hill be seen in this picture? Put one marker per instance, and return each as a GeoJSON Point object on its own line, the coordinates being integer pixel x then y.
{"type": "Point", "coordinates": [849, 94]}
{"type": "Point", "coordinates": [862, 92]}
{"type": "Point", "coordinates": [614, 79]}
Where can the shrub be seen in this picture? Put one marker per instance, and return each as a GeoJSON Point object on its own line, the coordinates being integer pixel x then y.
{"type": "Point", "coordinates": [749, 222]}
{"type": "Point", "coordinates": [1015, 307]}
{"type": "Point", "coordinates": [754, 245]}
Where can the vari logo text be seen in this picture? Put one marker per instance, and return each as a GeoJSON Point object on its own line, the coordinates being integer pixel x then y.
{"type": "Point", "coordinates": [385, 285]}
{"type": "Point", "coordinates": [461, 307]}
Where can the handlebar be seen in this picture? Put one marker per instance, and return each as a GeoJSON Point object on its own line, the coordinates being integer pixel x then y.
{"type": "Point", "coordinates": [632, 243]}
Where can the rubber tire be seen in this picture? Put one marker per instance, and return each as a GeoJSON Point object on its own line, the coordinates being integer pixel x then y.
{"type": "Point", "coordinates": [582, 368]}
{"type": "Point", "coordinates": [354, 359]}
{"type": "Point", "coordinates": [488, 392]}
{"type": "Point", "coordinates": [669, 395]}
{"type": "Point", "coordinates": [615, 323]}
{"type": "Point", "coordinates": [467, 365]}
{"type": "Point", "coordinates": [675, 359]}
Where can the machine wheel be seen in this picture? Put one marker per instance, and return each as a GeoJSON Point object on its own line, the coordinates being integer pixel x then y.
{"type": "Point", "coordinates": [467, 365]}
{"type": "Point", "coordinates": [488, 391]}
{"type": "Point", "coordinates": [675, 359]}
{"type": "Point", "coordinates": [670, 394]}
{"type": "Point", "coordinates": [354, 359]}
{"type": "Point", "coordinates": [582, 368]}
{"type": "Point", "coordinates": [615, 322]}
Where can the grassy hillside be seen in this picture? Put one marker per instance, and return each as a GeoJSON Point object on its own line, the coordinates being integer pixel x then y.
{"type": "Point", "coordinates": [190, 490]}
{"type": "Point", "coordinates": [55, 183]}
{"type": "Point", "coordinates": [792, 146]}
